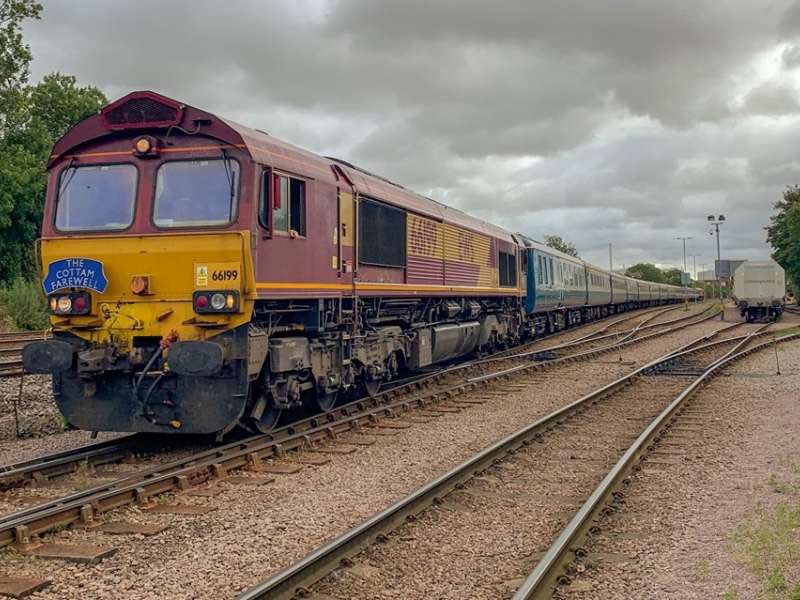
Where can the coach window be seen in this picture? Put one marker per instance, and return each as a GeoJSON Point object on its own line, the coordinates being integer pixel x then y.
{"type": "Point", "coordinates": [552, 272]}
{"type": "Point", "coordinates": [286, 198]}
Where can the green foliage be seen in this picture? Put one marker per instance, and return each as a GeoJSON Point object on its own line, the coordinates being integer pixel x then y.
{"type": "Point", "coordinates": [32, 118]}
{"type": "Point", "coordinates": [57, 103]}
{"type": "Point", "coordinates": [702, 569]}
{"type": "Point", "coordinates": [783, 233]}
{"type": "Point", "coordinates": [557, 242]}
{"type": "Point", "coordinates": [672, 276]}
{"type": "Point", "coordinates": [776, 580]}
{"type": "Point", "coordinates": [768, 544]}
{"type": "Point", "coordinates": [795, 595]}
{"type": "Point", "coordinates": [646, 272]}
{"type": "Point", "coordinates": [15, 55]}
{"type": "Point", "coordinates": [731, 594]}
{"type": "Point", "coordinates": [24, 304]}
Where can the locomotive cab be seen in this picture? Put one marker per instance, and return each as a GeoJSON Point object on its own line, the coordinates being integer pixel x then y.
{"type": "Point", "coordinates": [148, 270]}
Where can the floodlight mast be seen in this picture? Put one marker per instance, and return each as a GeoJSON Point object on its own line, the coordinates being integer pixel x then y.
{"type": "Point", "coordinates": [716, 222]}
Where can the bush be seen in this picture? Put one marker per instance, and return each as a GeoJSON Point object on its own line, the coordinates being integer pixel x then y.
{"type": "Point", "coordinates": [24, 305]}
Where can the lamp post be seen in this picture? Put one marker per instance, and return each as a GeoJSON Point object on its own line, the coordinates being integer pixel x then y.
{"type": "Point", "coordinates": [716, 222]}
{"type": "Point", "coordinates": [694, 264]}
{"type": "Point", "coordinates": [694, 268]}
{"type": "Point", "coordinates": [684, 251]}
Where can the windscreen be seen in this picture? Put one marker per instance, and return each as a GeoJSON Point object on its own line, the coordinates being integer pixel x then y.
{"type": "Point", "coordinates": [196, 193]}
{"type": "Point", "coordinates": [97, 198]}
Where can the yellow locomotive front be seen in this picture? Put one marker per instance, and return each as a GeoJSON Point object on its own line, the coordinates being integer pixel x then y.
{"type": "Point", "coordinates": [147, 266]}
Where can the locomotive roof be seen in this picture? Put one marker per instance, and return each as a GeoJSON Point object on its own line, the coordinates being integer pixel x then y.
{"type": "Point", "coordinates": [270, 151]}
{"type": "Point", "coordinates": [267, 150]}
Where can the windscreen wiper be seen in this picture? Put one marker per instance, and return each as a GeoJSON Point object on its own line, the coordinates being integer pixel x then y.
{"type": "Point", "coordinates": [66, 180]}
{"type": "Point", "coordinates": [231, 176]}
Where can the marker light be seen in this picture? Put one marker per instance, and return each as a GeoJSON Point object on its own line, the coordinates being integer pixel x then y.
{"type": "Point", "coordinates": [222, 301]}
{"type": "Point", "coordinates": [79, 305]}
{"type": "Point", "coordinates": [72, 303]}
{"type": "Point", "coordinates": [64, 304]}
{"type": "Point", "coordinates": [218, 301]}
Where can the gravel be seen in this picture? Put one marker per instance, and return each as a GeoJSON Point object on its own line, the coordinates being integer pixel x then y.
{"type": "Point", "coordinates": [260, 529]}
{"type": "Point", "coordinates": [483, 540]}
{"type": "Point", "coordinates": [674, 537]}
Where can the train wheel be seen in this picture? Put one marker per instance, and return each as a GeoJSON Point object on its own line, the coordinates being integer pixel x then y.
{"type": "Point", "coordinates": [327, 401]}
{"type": "Point", "coordinates": [372, 386]}
{"type": "Point", "coordinates": [265, 416]}
{"type": "Point", "coordinates": [269, 419]}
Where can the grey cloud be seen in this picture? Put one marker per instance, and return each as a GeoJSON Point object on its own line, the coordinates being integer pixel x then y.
{"type": "Point", "coordinates": [790, 57]}
{"type": "Point", "coordinates": [772, 98]}
{"type": "Point", "coordinates": [606, 120]}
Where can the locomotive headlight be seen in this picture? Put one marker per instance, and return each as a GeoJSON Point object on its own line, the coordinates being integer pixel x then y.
{"type": "Point", "coordinates": [230, 301]}
{"type": "Point", "coordinates": [64, 304]}
{"type": "Point", "coordinates": [218, 301]}
{"type": "Point", "coordinates": [53, 304]}
{"type": "Point", "coordinates": [143, 145]}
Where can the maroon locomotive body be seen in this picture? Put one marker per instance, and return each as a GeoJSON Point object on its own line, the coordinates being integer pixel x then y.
{"type": "Point", "coordinates": [246, 276]}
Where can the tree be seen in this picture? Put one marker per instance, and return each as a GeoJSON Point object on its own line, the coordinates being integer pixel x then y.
{"type": "Point", "coordinates": [15, 54]}
{"type": "Point", "coordinates": [646, 272]}
{"type": "Point", "coordinates": [783, 233]}
{"type": "Point", "coordinates": [672, 276]}
{"type": "Point", "coordinates": [32, 118]}
{"type": "Point", "coordinates": [557, 242]}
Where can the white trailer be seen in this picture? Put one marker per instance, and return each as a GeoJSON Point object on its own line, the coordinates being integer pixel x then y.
{"type": "Point", "coordinates": [759, 289]}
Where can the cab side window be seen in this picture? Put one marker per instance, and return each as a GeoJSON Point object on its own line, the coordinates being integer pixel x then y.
{"type": "Point", "coordinates": [283, 203]}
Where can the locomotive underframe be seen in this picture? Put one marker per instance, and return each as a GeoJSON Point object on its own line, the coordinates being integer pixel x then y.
{"type": "Point", "coordinates": [292, 353]}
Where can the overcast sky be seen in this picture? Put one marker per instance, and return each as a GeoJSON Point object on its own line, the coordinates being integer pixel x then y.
{"type": "Point", "coordinates": [601, 121]}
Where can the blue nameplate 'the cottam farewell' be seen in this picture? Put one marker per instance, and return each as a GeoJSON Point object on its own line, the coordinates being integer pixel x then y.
{"type": "Point", "coordinates": [84, 273]}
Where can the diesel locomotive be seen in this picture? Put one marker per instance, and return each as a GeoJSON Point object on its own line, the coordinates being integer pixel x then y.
{"type": "Point", "coordinates": [202, 275]}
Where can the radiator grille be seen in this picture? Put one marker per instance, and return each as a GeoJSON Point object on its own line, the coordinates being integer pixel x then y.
{"type": "Point", "coordinates": [141, 111]}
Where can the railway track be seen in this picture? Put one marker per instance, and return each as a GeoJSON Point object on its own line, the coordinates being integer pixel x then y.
{"type": "Point", "coordinates": [11, 345]}
{"type": "Point", "coordinates": [250, 453]}
{"type": "Point", "coordinates": [639, 404]}
{"type": "Point", "coordinates": [566, 555]}
{"type": "Point", "coordinates": [44, 468]}
{"type": "Point", "coordinates": [14, 338]}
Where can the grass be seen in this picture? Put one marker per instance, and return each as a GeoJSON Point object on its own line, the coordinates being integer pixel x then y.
{"type": "Point", "coordinates": [769, 544]}
{"type": "Point", "coordinates": [731, 594]}
{"type": "Point", "coordinates": [701, 569]}
{"type": "Point", "coordinates": [23, 305]}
